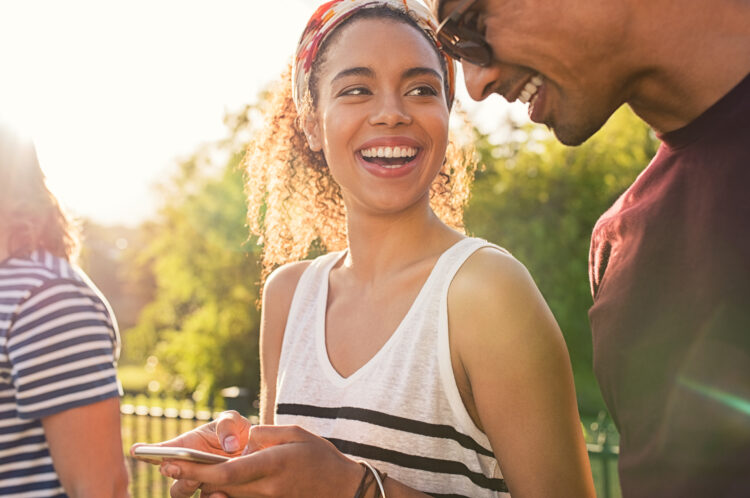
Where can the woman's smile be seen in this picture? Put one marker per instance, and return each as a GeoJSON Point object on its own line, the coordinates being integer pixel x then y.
{"type": "Point", "coordinates": [390, 157]}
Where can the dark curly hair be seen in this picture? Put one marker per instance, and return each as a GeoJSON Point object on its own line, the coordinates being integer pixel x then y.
{"type": "Point", "coordinates": [294, 204]}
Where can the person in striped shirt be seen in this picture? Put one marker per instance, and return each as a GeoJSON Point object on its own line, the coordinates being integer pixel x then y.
{"type": "Point", "coordinates": [59, 396]}
{"type": "Point", "coordinates": [428, 354]}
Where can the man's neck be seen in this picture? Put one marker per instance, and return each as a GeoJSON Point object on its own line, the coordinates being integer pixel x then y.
{"type": "Point", "coordinates": [690, 58]}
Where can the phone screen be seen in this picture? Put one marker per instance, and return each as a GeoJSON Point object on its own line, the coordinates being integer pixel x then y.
{"type": "Point", "coordinates": [160, 453]}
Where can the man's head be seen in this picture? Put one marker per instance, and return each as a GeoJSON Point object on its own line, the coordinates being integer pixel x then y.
{"type": "Point", "coordinates": [563, 58]}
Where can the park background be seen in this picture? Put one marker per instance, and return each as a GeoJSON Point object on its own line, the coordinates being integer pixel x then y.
{"type": "Point", "coordinates": [141, 115]}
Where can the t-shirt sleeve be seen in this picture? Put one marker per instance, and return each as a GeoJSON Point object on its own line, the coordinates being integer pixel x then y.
{"type": "Point", "coordinates": [62, 345]}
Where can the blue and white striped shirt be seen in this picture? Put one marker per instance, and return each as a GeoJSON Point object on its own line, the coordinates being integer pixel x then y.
{"type": "Point", "coordinates": [58, 350]}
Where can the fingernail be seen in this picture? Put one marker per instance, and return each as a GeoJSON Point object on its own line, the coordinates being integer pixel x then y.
{"type": "Point", "coordinates": [172, 471]}
{"type": "Point", "coordinates": [231, 444]}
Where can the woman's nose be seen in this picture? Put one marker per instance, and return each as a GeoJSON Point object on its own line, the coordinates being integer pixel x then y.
{"type": "Point", "coordinates": [390, 111]}
{"type": "Point", "coordinates": [481, 82]}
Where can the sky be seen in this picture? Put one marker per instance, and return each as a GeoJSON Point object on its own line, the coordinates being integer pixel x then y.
{"type": "Point", "coordinates": [115, 94]}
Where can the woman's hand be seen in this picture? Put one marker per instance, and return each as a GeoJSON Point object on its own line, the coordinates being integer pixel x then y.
{"type": "Point", "coordinates": [226, 435]}
{"type": "Point", "coordinates": [280, 461]}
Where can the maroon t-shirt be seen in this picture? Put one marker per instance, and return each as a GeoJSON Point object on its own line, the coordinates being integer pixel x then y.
{"type": "Point", "coordinates": [670, 274]}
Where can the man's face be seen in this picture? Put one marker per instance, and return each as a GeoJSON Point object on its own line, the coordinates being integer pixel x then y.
{"type": "Point", "coordinates": [559, 57]}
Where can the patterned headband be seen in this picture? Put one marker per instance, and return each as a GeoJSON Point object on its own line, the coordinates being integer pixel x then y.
{"type": "Point", "coordinates": [331, 14]}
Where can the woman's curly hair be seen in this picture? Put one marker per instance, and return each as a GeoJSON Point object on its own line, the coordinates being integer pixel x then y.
{"type": "Point", "coordinates": [31, 216]}
{"type": "Point", "coordinates": [295, 205]}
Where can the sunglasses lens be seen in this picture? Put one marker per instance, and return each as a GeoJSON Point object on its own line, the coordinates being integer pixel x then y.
{"type": "Point", "coordinates": [464, 45]}
{"type": "Point", "coordinates": [473, 53]}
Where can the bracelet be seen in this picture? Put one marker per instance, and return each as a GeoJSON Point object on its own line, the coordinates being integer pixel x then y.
{"type": "Point", "coordinates": [364, 483]}
{"type": "Point", "coordinates": [378, 479]}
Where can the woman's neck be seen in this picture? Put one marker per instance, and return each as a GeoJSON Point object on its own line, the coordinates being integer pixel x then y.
{"type": "Point", "coordinates": [381, 245]}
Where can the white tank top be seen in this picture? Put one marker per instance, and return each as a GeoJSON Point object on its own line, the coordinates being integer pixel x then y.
{"type": "Point", "coordinates": [401, 411]}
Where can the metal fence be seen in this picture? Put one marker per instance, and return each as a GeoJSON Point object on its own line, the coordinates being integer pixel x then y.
{"type": "Point", "coordinates": [146, 423]}
{"type": "Point", "coordinates": [602, 442]}
{"type": "Point", "coordinates": [146, 420]}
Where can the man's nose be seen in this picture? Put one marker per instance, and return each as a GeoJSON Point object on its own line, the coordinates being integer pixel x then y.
{"type": "Point", "coordinates": [481, 82]}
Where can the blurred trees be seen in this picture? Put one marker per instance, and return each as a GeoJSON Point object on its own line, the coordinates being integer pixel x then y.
{"type": "Point", "coordinates": [103, 251]}
{"type": "Point", "coordinates": [535, 197]}
{"type": "Point", "coordinates": [202, 323]}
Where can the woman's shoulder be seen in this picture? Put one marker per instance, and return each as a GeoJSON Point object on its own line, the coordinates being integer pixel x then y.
{"type": "Point", "coordinates": [51, 291]}
{"type": "Point", "coordinates": [286, 277]}
{"type": "Point", "coordinates": [41, 272]}
{"type": "Point", "coordinates": [42, 266]}
{"type": "Point", "coordinates": [491, 269]}
{"type": "Point", "coordinates": [493, 288]}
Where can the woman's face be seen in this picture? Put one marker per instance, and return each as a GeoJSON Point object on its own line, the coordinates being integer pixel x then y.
{"type": "Point", "coordinates": [381, 118]}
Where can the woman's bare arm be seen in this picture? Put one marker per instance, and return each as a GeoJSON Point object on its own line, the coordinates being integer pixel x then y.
{"type": "Point", "coordinates": [277, 299]}
{"type": "Point", "coordinates": [514, 358]}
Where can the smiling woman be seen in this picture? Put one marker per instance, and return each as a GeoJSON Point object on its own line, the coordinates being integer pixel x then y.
{"type": "Point", "coordinates": [286, 175]}
{"type": "Point", "coordinates": [409, 360]}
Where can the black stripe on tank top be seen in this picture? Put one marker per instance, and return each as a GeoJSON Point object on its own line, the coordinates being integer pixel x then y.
{"type": "Point", "coordinates": [384, 420]}
{"type": "Point", "coordinates": [418, 462]}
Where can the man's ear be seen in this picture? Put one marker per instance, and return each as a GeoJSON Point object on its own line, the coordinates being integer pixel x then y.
{"type": "Point", "coordinates": [311, 127]}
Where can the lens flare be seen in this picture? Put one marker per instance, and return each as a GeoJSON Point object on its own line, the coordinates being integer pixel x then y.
{"type": "Point", "coordinates": [723, 397]}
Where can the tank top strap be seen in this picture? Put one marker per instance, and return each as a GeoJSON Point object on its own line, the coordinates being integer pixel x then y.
{"type": "Point", "coordinates": [451, 261]}
{"type": "Point", "coordinates": [313, 280]}
{"type": "Point", "coordinates": [454, 260]}
{"type": "Point", "coordinates": [304, 310]}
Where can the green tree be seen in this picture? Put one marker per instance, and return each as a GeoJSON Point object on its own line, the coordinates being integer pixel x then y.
{"type": "Point", "coordinates": [202, 323]}
{"type": "Point", "coordinates": [540, 200]}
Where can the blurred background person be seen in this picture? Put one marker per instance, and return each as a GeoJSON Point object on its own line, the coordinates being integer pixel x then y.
{"type": "Point", "coordinates": [59, 343]}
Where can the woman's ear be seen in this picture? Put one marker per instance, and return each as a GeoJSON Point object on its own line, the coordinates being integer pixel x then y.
{"type": "Point", "coordinates": [312, 131]}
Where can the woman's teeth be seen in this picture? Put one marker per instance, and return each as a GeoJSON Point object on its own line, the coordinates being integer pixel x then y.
{"type": "Point", "coordinates": [530, 90]}
{"type": "Point", "coordinates": [389, 152]}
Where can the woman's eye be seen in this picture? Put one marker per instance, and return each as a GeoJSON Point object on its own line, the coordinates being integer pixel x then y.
{"type": "Point", "coordinates": [356, 91]}
{"type": "Point", "coordinates": [422, 91]}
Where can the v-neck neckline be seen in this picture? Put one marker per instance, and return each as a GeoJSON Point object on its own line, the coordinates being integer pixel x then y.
{"type": "Point", "coordinates": [320, 326]}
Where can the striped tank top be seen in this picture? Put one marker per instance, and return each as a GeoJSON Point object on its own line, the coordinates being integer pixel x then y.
{"type": "Point", "coordinates": [402, 410]}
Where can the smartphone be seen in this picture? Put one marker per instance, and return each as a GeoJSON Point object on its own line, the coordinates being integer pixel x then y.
{"type": "Point", "coordinates": [160, 453]}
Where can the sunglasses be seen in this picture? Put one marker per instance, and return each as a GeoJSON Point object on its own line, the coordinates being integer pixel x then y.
{"type": "Point", "coordinates": [461, 41]}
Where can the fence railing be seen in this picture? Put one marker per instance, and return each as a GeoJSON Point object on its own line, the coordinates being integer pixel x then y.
{"type": "Point", "coordinates": [145, 423]}
{"type": "Point", "coordinates": [147, 420]}
{"type": "Point", "coordinates": [602, 443]}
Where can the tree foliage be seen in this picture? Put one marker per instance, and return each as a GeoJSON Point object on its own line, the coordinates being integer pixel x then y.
{"type": "Point", "coordinates": [202, 323]}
